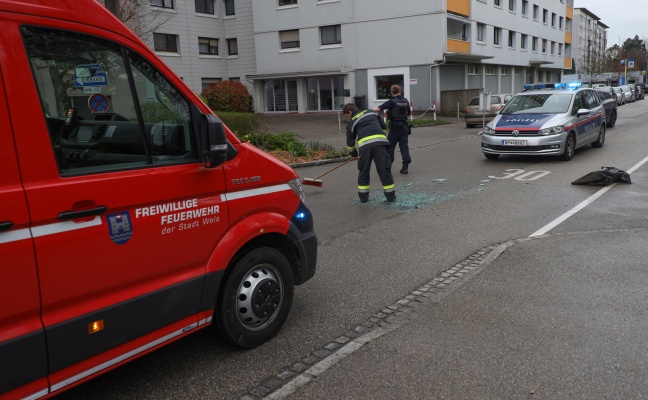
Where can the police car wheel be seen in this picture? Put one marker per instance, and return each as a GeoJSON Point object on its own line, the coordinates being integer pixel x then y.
{"type": "Point", "coordinates": [570, 147]}
{"type": "Point", "coordinates": [600, 141]}
{"type": "Point", "coordinates": [256, 298]}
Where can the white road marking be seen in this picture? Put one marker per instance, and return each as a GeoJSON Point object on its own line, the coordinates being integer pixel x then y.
{"type": "Point", "coordinates": [582, 205]}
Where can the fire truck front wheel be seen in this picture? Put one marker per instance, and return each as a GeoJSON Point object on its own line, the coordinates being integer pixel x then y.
{"type": "Point", "coordinates": [256, 298]}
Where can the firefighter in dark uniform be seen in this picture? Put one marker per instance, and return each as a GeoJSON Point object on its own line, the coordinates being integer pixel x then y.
{"type": "Point", "coordinates": [398, 109]}
{"type": "Point", "coordinates": [368, 128]}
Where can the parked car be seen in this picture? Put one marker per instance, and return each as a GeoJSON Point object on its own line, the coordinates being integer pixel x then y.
{"type": "Point", "coordinates": [546, 119]}
{"type": "Point", "coordinates": [628, 93]}
{"type": "Point", "coordinates": [618, 91]}
{"type": "Point", "coordinates": [608, 100]}
{"type": "Point", "coordinates": [474, 117]}
{"type": "Point", "coordinates": [639, 91]}
{"type": "Point", "coordinates": [643, 86]}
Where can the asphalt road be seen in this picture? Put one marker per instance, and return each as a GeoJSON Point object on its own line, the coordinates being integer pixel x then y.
{"type": "Point", "coordinates": [560, 315]}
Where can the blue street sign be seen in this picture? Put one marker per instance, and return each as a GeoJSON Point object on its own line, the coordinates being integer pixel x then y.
{"type": "Point", "coordinates": [86, 75]}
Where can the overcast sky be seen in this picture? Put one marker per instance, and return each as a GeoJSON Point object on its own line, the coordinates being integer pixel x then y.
{"type": "Point", "coordinates": [625, 18]}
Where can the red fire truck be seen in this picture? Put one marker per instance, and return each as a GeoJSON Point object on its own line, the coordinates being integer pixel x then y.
{"type": "Point", "coordinates": [130, 216]}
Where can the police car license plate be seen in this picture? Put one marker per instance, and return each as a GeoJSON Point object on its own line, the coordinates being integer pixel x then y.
{"type": "Point", "coordinates": [514, 142]}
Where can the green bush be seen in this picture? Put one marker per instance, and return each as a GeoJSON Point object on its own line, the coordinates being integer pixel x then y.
{"type": "Point", "coordinates": [240, 123]}
{"type": "Point", "coordinates": [228, 96]}
{"type": "Point", "coordinates": [288, 141]}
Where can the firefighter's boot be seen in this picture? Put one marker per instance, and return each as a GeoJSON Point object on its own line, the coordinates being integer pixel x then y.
{"type": "Point", "coordinates": [391, 196]}
{"type": "Point", "coordinates": [404, 169]}
{"type": "Point", "coordinates": [364, 197]}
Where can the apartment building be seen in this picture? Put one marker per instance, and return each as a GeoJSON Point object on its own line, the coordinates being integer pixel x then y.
{"type": "Point", "coordinates": [205, 41]}
{"type": "Point", "coordinates": [317, 55]}
{"type": "Point", "coordinates": [590, 42]}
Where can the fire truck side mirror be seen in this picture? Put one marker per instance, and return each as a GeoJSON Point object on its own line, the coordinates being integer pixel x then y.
{"type": "Point", "coordinates": [214, 141]}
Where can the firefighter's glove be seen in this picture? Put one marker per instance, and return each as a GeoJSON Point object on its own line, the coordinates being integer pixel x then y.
{"type": "Point", "coordinates": [354, 153]}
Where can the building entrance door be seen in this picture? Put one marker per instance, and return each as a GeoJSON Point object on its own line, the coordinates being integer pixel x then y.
{"type": "Point", "coordinates": [325, 93]}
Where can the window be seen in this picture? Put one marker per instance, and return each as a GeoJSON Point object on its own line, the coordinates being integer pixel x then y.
{"type": "Point", "coordinates": [287, 2]}
{"type": "Point", "coordinates": [162, 3]}
{"type": "Point", "coordinates": [205, 6]}
{"type": "Point", "coordinates": [330, 35]}
{"type": "Point", "coordinates": [289, 39]}
{"type": "Point", "coordinates": [560, 47]}
{"type": "Point", "coordinates": [544, 46]}
{"type": "Point", "coordinates": [504, 71]}
{"type": "Point", "coordinates": [208, 46]}
{"type": "Point", "coordinates": [592, 99]}
{"type": "Point", "coordinates": [536, 11]}
{"type": "Point", "coordinates": [523, 41]}
{"type": "Point", "coordinates": [525, 7]}
{"type": "Point", "coordinates": [232, 47]}
{"type": "Point", "coordinates": [384, 82]}
{"type": "Point", "coordinates": [511, 5]}
{"type": "Point", "coordinates": [553, 20]}
{"type": "Point", "coordinates": [489, 70]}
{"type": "Point", "coordinates": [165, 42]}
{"type": "Point", "coordinates": [517, 71]}
{"type": "Point", "coordinates": [229, 8]}
{"type": "Point", "coordinates": [481, 29]}
{"type": "Point", "coordinates": [511, 39]}
{"type": "Point", "coordinates": [551, 49]}
{"type": "Point", "coordinates": [109, 130]}
{"type": "Point", "coordinates": [545, 15]}
{"type": "Point", "coordinates": [472, 70]}
{"type": "Point", "coordinates": [534, 44]}
{"type": "Point", "coordinates": [497, 3]}
{"type": "Point", "coordinates": [560, 23]}
{"type": "Point", "coordinates": [497, 32]}
{"type": "Point", "coordinates": [207, 82]}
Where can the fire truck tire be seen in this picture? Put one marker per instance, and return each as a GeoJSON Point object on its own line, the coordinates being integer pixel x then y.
{"type": "Point", "coordinates": [256, 298]}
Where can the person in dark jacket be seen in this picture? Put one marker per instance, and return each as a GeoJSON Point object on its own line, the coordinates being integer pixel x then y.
{"type": "Point", "coordinates": [367, 127]}
{"type": "Point", "coordinates": [398, 109]}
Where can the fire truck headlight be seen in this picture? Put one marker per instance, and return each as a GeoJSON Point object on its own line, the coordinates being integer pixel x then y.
{"type": "Point", "coordinates": [298, 188]}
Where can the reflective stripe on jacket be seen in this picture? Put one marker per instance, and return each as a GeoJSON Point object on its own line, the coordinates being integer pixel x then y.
{"type": "Point", "coordinates": [368, 127]}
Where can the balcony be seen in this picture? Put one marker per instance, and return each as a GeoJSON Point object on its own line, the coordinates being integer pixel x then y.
{"type": "Point", "coordinates": [569, 13]}
{"type": "Point", "coordinates": [461, 7]}
{"type": "Point", "coordinates": [568, 37]}
{"type": "Point", "coordinates": [458, 46]}
{"type": "Point", "coordinates": [568, 63]}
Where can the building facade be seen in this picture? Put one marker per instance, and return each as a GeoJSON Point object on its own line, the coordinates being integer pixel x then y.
{"type": "Point", "coordinates": [590, 42]}
{"type": "Point", "coordinates": [317, 55]}
{"type": "Point", "coordinates": [205, 41]}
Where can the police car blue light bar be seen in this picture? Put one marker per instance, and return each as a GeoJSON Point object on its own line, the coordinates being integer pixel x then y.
{"type": "Point", "coordinates": [557, 85]}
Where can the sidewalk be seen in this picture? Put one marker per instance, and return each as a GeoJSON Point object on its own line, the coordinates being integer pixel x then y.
{"type": "Point", "coordinates": [324, 127]}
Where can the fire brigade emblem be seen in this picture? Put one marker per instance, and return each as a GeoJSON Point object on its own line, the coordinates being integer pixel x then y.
{"type": "Point", "coordinates": [119, 227]}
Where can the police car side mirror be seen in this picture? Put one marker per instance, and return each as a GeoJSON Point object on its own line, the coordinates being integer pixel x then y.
{"type": "Point", "coordinates": [214, 141]}
{"type": "Point", "coordinates": [581, 112]}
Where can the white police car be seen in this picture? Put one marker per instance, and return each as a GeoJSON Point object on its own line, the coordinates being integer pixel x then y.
{"type": "Point", "coordinates": [546, 119]}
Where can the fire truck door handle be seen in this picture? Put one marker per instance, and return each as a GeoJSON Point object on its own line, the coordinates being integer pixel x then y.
{"type": "Point", "coordinates": [65, 215]}
{"type": "Point", "coordinates": [5, 225]}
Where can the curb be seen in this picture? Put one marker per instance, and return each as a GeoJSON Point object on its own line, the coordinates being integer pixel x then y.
{"type": "Point", "coordinates": [320, 162]}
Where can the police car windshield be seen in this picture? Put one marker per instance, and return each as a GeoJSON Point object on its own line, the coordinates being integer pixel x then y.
{"type": "Point", "coordinates": [545, 103]}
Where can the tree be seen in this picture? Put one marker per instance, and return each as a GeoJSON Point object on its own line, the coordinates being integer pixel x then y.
{"type": "Point", "coordinates": [137, 15]}
{"type": "Point", "coordinates": [591, 65]}
{"type": "Point", "coordinates": [635, 49]}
